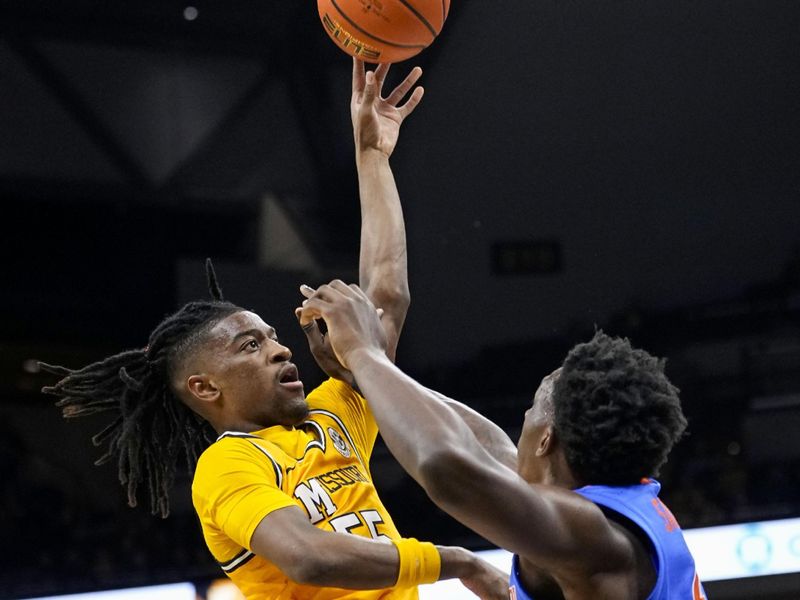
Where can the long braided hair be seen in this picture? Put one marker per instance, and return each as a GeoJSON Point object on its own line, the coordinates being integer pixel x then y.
{"type": "Point", "coordinates": [151, 426]}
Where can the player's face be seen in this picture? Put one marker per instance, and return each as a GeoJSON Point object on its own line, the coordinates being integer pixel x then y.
{"type": "Point", "coordinates": [258, 383]}
{"type": "Point", "coordinates": [532, 464]}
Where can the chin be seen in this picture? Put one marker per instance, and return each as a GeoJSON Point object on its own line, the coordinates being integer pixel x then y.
{"type": "Point", "coordinates": [298, 413]}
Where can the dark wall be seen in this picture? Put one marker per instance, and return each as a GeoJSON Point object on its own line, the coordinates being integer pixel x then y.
{"type": "Point", "coordinates": [656, 143]}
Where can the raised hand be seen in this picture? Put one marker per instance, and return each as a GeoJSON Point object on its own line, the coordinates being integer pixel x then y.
{"type": "Point", "coordinates": [320, 346]}
{"type": "Point", "coordinates": [377, 120]}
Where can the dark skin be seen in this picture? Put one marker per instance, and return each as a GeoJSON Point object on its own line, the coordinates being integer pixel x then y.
{"type": "Point", "coordinates": [212, 384]}
{"type": "Point", "coordinates": [242, 379]}
{"type": "Point", "coordinates": [250, 380]}
{"type": "Point", "coordinates": [568, 547]}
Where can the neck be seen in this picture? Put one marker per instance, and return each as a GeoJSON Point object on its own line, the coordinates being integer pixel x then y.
{"type": "Point", "coordinates": [559, 474]}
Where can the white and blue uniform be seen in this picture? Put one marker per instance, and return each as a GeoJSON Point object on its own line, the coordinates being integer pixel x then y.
{"type": "Point", "coordinates": [676, 576]}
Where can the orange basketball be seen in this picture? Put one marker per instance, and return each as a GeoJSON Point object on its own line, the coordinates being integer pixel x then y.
{"type": "Point", "coordinates": [383, 31]}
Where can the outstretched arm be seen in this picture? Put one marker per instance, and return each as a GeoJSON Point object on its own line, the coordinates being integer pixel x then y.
{"type": "Point", "coordinates": [312, 556]}
{"type": "Point", "coordinates": [491, 437]}
{"type": "Point", "coordinates": [383, 272]}
{"type": "Point", "coordinates": [376, 126]}
{"type": "Point", "coordinates": [439, 450]}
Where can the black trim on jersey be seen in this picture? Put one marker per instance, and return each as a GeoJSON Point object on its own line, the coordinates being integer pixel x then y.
{"type": "Point", "coordinates": [275, 465]}
{"type": "Point", "coordinates": [237, 561]}
{"type": "Point", "coordinates": [248, 436]}
{"type": "Point", "coordinates": [344, 429]}
{"type": "Point", "coordinates": [320, 445]}
{"type": "Point", "coordinates": [237, 434]}
{"type": "Point", "coordinates": [314, 443]}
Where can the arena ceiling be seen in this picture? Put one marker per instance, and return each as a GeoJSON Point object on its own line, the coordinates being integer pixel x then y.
{"type": "Point", "coordinates": [655, 144]}
{"type": "Point", "coordinates": [119, 116]}
{"type": "Point", "coordinates": [135, 101]}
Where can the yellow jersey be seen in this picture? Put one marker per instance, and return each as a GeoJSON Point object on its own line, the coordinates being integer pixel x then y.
{"type": "Point", "coordinates": [322, 466]}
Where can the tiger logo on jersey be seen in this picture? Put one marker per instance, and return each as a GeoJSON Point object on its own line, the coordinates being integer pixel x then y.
{"type": "Point", "coordinates": [338, 442]}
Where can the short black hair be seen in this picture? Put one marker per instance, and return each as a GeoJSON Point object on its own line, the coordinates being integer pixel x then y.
{"type": "Point", "coordinates": [616, 413]}
{"type": "Point", "coordinates": [151, 426]}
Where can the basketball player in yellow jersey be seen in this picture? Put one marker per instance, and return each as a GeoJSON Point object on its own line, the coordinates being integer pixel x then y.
{"type": "Point", "coordinates": [322, 467]}
{"type": "Point", "coordinates": [284, 495]}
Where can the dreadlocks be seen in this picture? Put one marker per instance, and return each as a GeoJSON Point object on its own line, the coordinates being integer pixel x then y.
{"type": "Point", "coordinates": [151, 426]}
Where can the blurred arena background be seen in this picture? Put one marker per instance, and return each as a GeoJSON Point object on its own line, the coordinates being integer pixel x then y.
{"type": "Point", "coordinates": [626, 165]}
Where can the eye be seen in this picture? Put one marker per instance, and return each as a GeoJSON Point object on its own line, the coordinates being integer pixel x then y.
{"type": "Point", "coordinates": [251, 345]}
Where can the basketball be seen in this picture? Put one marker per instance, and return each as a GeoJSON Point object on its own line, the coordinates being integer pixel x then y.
{"type": "Point", "coordinates": [383, 31]}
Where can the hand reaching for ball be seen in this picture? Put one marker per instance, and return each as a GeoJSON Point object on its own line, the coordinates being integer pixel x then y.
{"type": "Point", "coordinates": [377, 120]}
{"type": "Point", "coordinates": [353, 321]}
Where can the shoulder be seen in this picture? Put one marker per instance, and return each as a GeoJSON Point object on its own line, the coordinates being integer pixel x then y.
{"type": "Point", "coordinates": [595, 543]}
{"type": "Point", "coordinates": [228, 444]}
{"type": "Point", "coordinates": [333, 391]}
{"type": "Point", "coordinates": [231, 453]}
{"type": "Point", "coordinates": [594, 554]}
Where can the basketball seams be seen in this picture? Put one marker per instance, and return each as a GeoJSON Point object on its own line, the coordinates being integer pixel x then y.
{"type": "Point", "coordinates": [363, 28]}
{"type": "Point", "coordinates": [419, 16]}
{"type": "Point", "coordinates": [367, 33]}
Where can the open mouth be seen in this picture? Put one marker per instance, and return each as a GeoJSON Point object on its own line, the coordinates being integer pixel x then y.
{"type": "Point", "coordinates": [290, 377]}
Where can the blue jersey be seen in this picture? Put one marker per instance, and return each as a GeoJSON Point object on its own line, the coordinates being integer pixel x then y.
{"type": "Point", "coordinates": [676, 577]}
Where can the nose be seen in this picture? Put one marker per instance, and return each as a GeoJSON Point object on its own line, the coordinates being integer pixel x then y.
{"type": "Point", "coordinates": [280, 353]}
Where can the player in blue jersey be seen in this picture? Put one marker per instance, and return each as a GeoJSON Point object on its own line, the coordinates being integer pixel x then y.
{"type": "Point", "coordinates": [574, 501]}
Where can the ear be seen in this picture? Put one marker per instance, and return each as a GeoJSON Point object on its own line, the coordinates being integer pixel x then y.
{"type": "Point", "coordinates": [546, 443]}
{"type": "Point", "coordinates": [203, 388]}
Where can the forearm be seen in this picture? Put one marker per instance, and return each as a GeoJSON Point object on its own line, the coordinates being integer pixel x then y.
{"type": "Point", "coordinates": [354, 562]}
{"type": "Point", "coordinates": [312, 556]}
{"type": "Point", "coordinates": [493, 439]}
{"type": "Point", "coordinates": [423, 430]}
{"type": "Point", "coordinates": [383, 271]}
{"type": "Point", "coordinates": [456, 562]}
